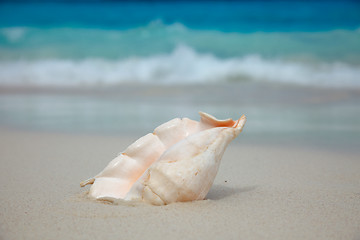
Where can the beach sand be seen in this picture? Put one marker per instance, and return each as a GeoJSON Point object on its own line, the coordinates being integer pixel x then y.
{"type": "Point", "coordinates": [260, 192]}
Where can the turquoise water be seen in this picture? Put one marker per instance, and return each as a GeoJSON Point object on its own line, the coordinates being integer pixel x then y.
{"type": "Point", "coordinates": [110, 43]}
{"type": "Point", "coordinates": [225, 16]}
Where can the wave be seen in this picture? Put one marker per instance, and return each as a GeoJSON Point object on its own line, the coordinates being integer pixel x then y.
{"type": "Point", "coordinates": [159, 38]}
{"type": "Point", "coordinates": [182, 66]}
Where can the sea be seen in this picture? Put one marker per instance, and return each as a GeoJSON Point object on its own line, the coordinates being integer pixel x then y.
{"type": "Point", "coordinates": [124, 67]}
{"type": "Point", "coordinates": [92, 43]}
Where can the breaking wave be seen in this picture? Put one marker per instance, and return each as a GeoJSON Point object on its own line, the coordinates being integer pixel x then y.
{"type": "Point", "coordinates": [181, 66]}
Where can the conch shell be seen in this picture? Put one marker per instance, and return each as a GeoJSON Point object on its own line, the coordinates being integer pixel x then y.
{"type": "Point", "coordinates": [178, 162]}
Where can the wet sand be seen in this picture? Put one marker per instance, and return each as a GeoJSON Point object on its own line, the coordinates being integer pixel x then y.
{"type": "Point", "coordinates": [261, 192]}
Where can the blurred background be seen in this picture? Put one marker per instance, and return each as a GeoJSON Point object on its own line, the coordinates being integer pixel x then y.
{"type": "Point", "coordinates": [124, 67]}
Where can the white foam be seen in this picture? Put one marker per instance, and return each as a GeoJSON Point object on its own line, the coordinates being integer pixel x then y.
{"type": "Point", "coordinates": [182, 66]}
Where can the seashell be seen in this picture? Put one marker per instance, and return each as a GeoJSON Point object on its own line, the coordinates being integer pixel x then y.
{"type": "Point", "coordinates": [178, 162]}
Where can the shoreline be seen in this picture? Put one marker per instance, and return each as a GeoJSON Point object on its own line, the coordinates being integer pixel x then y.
{"type": "Point", "coordinates": [161, 87]}
{"type": "Point", "coordinates": [243, 139]}
{"type": "Point", "coordinates": [277, 113]}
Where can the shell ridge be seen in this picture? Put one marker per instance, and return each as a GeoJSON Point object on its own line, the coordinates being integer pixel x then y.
{"type": "Point", "coordinates": [178, 191]}
{"type": "Point", "coordinates": [150, 188]}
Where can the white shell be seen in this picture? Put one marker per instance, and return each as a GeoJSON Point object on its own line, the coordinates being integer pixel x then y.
{"type": "Point", "coordinates": [178, 162]}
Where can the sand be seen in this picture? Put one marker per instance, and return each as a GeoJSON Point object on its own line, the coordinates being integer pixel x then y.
{"type": "Point", "coordinates": [261, 192]}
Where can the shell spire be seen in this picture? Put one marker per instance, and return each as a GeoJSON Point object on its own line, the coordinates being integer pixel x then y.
{"type": "Point", "coordinates": [177, 162]}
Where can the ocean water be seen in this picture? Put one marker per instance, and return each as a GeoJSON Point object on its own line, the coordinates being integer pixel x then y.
{"type": "Point", "coordinates": [71, 44]}
{"type": "Point", "coordinates": [293, 67]}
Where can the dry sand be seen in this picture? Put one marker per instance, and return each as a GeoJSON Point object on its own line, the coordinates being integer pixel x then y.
{"type": "Point", "coordinates": [261, 192]}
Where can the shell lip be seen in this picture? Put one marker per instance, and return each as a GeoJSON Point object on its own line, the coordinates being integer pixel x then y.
{"type": "Point", "coordinates": [239, 124]}
{"type": "Point", "coordinates": [213, 121]}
